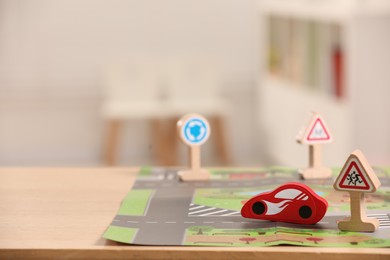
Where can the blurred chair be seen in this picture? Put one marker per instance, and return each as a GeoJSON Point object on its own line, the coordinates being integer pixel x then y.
{"type": "Point", "coordinates": [162, 90]}
{"type": "Point", "coordinates": [131, 92]}
{"type": "Point", "coordinates": [194, 86]}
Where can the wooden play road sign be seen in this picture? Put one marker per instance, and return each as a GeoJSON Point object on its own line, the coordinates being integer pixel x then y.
{"type": "Point", "coordinates": [194, 130]}
{"type": "Point", "coordinates": [354, 178]}
{"type": "Point", "coordinates": [357, 177]}
{"type": "Point", "coordinates": [318, 132]}
{"type": "Point", "coordinates": [315, 133]}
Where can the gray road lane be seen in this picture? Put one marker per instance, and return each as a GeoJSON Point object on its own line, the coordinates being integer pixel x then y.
{"type": "Point", "coordinates": [162, 212]}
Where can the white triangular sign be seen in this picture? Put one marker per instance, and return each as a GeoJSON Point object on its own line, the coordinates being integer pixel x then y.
{"type": "Point", "coordinates": [318, 132]}
{"type": "Point", "coordinates": [356, 175]}
{"type": "Point", "coordinates": [315, 132]}
{"type": "Point", "coordinates": [355, 178]}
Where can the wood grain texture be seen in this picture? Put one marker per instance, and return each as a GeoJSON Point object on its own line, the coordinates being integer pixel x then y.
{"type": "Point", "coordinates": [61, 213]}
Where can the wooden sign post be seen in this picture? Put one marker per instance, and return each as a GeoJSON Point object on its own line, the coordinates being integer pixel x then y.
{"type": "Point", "coordinates": [315, 133]}
{"type": "Point", "coordinates": [357, 177]}
{"type": "Point", "coordinates": [194, 130]}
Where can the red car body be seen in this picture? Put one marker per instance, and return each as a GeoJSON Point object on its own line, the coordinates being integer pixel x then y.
{"type": "Point", "coordinates": [292, 202]}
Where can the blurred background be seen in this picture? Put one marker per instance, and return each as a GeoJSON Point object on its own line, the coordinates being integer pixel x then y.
{"type": "Point", "coordinates": [93, 83]}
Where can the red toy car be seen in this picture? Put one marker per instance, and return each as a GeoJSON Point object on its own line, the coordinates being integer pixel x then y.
{"type": "Point", "coordinates": [292, 202]}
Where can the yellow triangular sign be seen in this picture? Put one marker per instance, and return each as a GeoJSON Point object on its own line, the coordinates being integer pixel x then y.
{"type": "Point", "coordinates": [315, 132]}
{"type": "Point", "coordinates": [357, 175]}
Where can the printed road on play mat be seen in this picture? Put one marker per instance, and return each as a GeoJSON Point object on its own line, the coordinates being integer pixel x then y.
{"type": "Point", "coordinates": [162, 210]}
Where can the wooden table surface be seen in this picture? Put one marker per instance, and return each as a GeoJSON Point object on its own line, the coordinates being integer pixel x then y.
{"type": "Point", "coordinates": [57, 213]}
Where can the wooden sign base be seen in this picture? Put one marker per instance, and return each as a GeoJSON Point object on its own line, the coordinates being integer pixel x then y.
{"type": "Point", "coordinates": [191, 175]}
{"type": "Point", "coordinates": [315, 169]}
{"type": "Point", "coordinates": [196, 173]}
{"type": "Point", "coordinates": [348, 224]}
{"type": "Point", "coordinates": [316, 173]}
{"type": "Point", "coordinates": [358, 221]}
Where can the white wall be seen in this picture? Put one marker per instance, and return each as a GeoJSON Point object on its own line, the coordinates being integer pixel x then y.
{"type": "Point", "coordinates": [370, 67]}
{"type": "Point", "coordinates": [52, 52]}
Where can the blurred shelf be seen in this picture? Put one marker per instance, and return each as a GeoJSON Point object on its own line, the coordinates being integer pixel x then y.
{"type": "Point", "coordinates": [302, 45]}
{"type": "Point", "coordinates": [323, 10]}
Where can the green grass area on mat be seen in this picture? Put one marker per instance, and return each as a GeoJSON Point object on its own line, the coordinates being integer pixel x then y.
{"type": "Point", "coordinates": [145, 171]}
{"type": "Point", "coordinates": [120, 234]}
{"type": "Point", "coordinates": [135, 202]}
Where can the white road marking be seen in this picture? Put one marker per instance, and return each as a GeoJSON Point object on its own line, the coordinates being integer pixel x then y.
{"type": "Point", "coordinates": [230, 214]}
{"type": "Point", "coordinates": [322, 222]}
{"type": "Point", "coordinates": [149, 201]}
{"type": "Point", "coordinates": [212, 213]}
{"type": "Point", "coordinates": [189, 222]}
{"type": "Point", "coordinates": [151, 222]}
{"type": "Point", "coordinates": [170, 222]}
{"type": "Point", "coordinates": [228, 222]}
{"type": "Point", "coordinates": [199, 211]}
{"type": "Point", "coordinates": [116, 220]}
{"type": "Point", "coordinates": [379, 218]}
{"type": "Point", "coordinates": [377, 214]}
{"type": "Point", "coordinates": [198, 207]}
{"type": "Point", "coordinates": [208, 222]}
{"type": "Point", "coordinates": [135, 235]}
{"type": "Point", "coordinates": [132, 221]}
{"type": "Point", "coordinates": [171, 176]}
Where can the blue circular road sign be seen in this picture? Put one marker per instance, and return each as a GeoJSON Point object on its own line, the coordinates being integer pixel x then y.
{"type": "Point", "coordinates": [195, 130]}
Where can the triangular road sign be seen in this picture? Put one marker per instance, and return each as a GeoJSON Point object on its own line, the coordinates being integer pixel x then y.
{"type": "Point", "coordinates": [354, 178]}
{"type": "Point", "coordinates": [357, 175]}
{"type": "Point", "coordinates": [315, 132]}
{"type": "Point", "coordinates": [318, 132]}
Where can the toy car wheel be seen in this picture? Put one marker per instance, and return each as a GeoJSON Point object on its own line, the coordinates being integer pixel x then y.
{"type": "Point", "coordinates": [305, 212]}
{"type": "Point", "coordinates": [258, 208]}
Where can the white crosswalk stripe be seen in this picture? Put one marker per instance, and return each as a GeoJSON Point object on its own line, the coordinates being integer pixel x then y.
{"type": "Point", "coordinates": [383, 218]}
{"type": "Point", "coordinates": [377, 214]}
{"type": "Point", "coordinates": [199, 211]}
{"type": "Point", "coordinates": [196, 207]}
{"type": "Point", "coordinates": [233, 213]}
{"type": "Point", "coordinates": [202, 211]}
{"type": "Point", "coordinates": [213, 213]}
